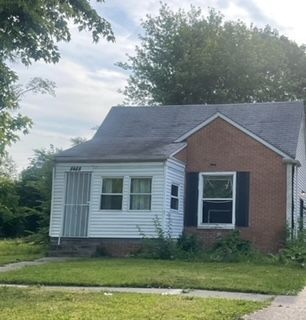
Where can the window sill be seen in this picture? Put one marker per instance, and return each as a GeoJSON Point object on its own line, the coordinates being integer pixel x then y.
{"type": "Point", "coordinates": [216, 226]}
{"type": "Point", "coordinates": [138, 210]}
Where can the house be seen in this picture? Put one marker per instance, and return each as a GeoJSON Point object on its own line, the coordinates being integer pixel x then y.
{"type": "Point", "coordinates": [201, 169]}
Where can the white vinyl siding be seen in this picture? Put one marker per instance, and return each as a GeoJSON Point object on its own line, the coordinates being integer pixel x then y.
{"type": "Point", "coordinates": [300, 173]}
{"type": "Point", "coordinates": [174, 219]}
{"type": "Point", "coordinates": [58, 201]}
{"type": "Point", "coordinates": [112, 223]}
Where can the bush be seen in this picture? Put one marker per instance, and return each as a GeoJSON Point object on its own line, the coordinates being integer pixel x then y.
{"type": "Point", "coordinates": [232, 248]}
{"type": "Point", "coordinates": [295, 250]}
{"type": "Point", "coordinates": [189, 243]}
{"type": "Point", "coordinates": [41, 237]}
{"type": "Point", "coordinates": [189, 247]}
{"type": "Point", "coordinates": [162, 247]}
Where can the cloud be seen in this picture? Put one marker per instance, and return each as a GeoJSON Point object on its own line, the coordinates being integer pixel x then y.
{"type": "Point", "coordinates": [84, 96]}
{"type": "Point", "coordinates": [88, 81]}
{"type": "Point", "coordinates": [257, 14]}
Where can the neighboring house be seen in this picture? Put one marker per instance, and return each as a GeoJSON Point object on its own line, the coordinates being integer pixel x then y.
{"type": "Point", "coordinates": [202, 169]}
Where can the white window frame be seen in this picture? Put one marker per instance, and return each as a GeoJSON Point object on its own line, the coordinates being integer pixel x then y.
{"type": "Point", "coordinates": [201, 199]}
{"type": "Point", "coordinates": [175, 197]}
{"type": "Point", "coordinates": [139, 194]}
{"type": "Point", "coordinates": [111, 194]}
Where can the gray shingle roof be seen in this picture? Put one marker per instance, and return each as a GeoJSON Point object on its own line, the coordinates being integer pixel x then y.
{"type": "Point", "coordinates": [148, 133]}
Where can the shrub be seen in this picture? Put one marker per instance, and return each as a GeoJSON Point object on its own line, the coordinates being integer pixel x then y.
{"type": "Point", "coordinates": [295, 249]}
{"type": "Point", "coordinates": [162, 247]}
{"type": "Point", "coordinates": [232, 248]}
{"type": "Point", "coordinates": [189, 243]}
{"type": "Point", "coordinates": [189, 247]}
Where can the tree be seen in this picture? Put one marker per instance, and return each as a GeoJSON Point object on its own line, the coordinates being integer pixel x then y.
{"type": "Point", "coordinates": [11, 123]}
{"type": "Point", "coordinates": [35, 184]}
{"type": "Point", "coordinates": [187, 58]}
{"type": "Point", "coordinates": [29, 31]}
{"type": "Point", "coordinates": [77, 140]}
{"type": "Point", "coordinates": [7, 167]}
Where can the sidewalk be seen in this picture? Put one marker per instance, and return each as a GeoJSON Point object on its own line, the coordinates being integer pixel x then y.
{"type": "Point", "coordinates": [19, 265]}
{"type": "Point", "coordinates": [181, 292]}
{"type": "Point", "coordinates": [283, 308]}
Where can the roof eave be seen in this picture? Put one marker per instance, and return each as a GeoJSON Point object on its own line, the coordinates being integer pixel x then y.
{"type": "Point", "coordinates": [117, 160]}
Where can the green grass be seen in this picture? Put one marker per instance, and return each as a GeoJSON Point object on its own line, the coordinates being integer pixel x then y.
{"type": "Point", "coordinates": [244, 277]}
{"type": "Point", "coordinates": [18, 250]}
{"type": "Point", "coordinates": [36, 304]}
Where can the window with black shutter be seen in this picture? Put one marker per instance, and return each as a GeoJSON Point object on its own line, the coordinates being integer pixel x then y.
{"type": "Point", "coordinates": [223, 199]}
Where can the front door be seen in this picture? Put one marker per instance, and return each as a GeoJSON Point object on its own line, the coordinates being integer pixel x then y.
{"type": "Point", "coordinates": [76, 204]}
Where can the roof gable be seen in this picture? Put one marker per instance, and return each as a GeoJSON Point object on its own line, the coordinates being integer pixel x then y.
{"type": "Point", "coordinates": [236, 125]}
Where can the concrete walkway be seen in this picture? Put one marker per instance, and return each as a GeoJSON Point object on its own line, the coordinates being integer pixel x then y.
{"type": "Point", "coordinates": [283, 308]}
{"type": "Point", "coordinates": [180, 292]}
{"type": "Point", "coordinates": [19, 265]}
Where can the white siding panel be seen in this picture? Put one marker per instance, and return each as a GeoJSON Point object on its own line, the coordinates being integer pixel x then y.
{"type": "Point", "coordinates": [58, 198]}
{"type": "Point", "coordinates": [174, 219]}
{"type": "Point", "coordinates": [300, 176]}
{"type": "Point", "coordinates": [111, 223]}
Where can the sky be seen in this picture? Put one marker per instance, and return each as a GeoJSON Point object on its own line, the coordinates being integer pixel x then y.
{"type": "Point", "coordinates": [88, 80]}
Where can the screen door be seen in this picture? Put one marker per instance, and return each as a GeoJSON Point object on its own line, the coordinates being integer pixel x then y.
{"type": "Point", "coordinates": [76, 204]}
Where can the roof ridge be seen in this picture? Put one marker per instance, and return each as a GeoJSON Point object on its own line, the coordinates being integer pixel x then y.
{"type": "Point", "coordinates": [206, 104]}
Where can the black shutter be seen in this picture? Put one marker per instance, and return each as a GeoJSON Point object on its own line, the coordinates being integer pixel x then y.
{"type": "Point", "coordinates": [242, 199]}
{"type": "Point", "coordinates": [191, 200]}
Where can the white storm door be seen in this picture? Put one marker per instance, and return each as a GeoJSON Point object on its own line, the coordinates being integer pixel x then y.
{"type": "Point", "coordinates": [77, 199]}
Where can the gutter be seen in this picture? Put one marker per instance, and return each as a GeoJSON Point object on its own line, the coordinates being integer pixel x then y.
{"type": "Point", "coordinates": [291, 161]}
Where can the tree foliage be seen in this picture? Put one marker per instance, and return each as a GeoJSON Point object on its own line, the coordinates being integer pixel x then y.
{"type": "Point", "coordinates": [77, 140]}
{"type": "Point", "coordinates": [25, 203]}
{"type": "Point", "coordinates": [186, 58]}
{"type": "Point", "coordinates": [30, 31]}
{"type": "Point", "coordinates": [7, 167]}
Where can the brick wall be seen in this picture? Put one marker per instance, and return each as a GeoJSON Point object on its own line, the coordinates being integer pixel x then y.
{"type": "Point", "coordinates": [222, 147]}
{"type": "Point", "coordinates": [90, 247]}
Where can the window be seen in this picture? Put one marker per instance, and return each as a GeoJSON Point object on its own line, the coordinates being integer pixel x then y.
{"type": "Point", "coordinates": [111, 197]}
{"type": "Point", "coordinates": [140, 194]}
{"type": "Point", "coordinates": [174, 201]}
{"type": "Point", "coordinates": [218, 198]}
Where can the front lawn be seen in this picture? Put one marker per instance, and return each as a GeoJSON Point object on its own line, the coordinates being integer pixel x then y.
{"type": "Point", "coordinates": [36, 304]}
{"type": "Point", "coordinates": [18, 250]}
{"type": "Point", "coordinates": [244, 277]}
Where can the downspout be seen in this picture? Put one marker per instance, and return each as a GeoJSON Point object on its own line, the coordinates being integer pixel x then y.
{"type": "Point", "coordinates": [292, 201]}
{"type": "Point", "coordinates": [294, 170]}
{"type": "Point", "coordinates": [296, 189]}
{"type": "Point", "coordinates": [53, 182]}
{"type": "Point", "coordinates": [166, 221]}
